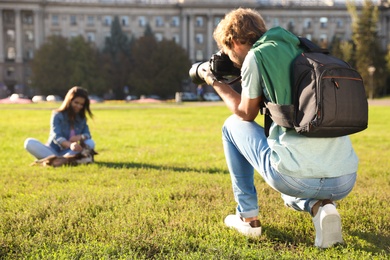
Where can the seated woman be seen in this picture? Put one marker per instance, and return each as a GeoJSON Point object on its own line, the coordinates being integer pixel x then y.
{"type": "Point", "coordinates": [69, 131]}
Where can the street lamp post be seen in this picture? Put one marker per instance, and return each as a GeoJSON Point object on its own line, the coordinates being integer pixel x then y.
{"type": "Point", "coordinates": [371, 70]}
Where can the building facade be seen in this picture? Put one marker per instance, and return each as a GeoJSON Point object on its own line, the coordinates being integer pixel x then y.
{"type": "Point", "coordinates": [25, 24]}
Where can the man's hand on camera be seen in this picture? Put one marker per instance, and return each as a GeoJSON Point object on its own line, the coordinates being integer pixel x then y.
{"type": "Point", "coordinates": [207, 75]}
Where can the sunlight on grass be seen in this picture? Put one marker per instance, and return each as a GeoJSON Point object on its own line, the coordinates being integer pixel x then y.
{"type": "Point", "coordinates": [160, 189]}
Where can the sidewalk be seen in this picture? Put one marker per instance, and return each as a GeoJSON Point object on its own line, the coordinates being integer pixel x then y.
{"type": "Point", "coordinates": [379, 102]}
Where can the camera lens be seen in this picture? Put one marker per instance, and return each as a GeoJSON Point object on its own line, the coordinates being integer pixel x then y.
{"type": "Point", "coordinates": [195, 74]}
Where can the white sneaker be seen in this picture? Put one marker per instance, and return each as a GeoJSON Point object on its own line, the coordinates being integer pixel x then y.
{"type": "Point", "coordinates": [252, 228]}
{"type": "Point", "coordinates": [327, 224]}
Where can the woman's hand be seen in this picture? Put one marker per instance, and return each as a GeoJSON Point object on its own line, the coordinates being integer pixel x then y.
{"type": "Point", "coordinates": [75, 146]}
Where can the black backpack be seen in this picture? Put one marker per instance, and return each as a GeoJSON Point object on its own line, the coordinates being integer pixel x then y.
{"type": "Point", "coordinates": [328, 96]}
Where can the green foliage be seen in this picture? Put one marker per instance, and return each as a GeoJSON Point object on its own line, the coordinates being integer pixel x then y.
{"type": "Point", "coordinates": [347, 52]}
{"type": "Point", "coordinates": [160, 189]}
{"type": "Point", "coordinates": [148, 31]}
{"type": "Point", "coordinates": [118, 41]}
{"type": "Point", "coordinates": [342, 50]}
{"type": "Point", "coordinates": [144, 65]}
{"type": "Point", "coordinates": [85, 66]}
{"type": "Point", "coordinates": [367, 45]}
{"type": "Point", "coordinates": [159, 67]}
{"type": "Point", "coordinates": [51, 67]}
{"type": "Point", "coordinates": [60, 64]}
{"type": "Point", "coordinates": [116, 60]}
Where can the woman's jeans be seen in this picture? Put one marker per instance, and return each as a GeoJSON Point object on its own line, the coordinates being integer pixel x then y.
{"type": "Point", "coordinates": [246, 148]}
{"type": "Point", "coordinates": [40, 151]}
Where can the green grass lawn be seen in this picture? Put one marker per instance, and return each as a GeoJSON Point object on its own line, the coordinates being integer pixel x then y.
{"type": "Point", "coordinates": [160, 189]}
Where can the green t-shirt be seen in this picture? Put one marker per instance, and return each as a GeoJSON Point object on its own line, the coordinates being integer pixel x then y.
{"type": "Point", "coordinates": [293, 154]}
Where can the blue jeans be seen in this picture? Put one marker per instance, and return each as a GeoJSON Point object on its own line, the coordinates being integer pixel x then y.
{"type": "Point", "coordinates": [40, 151]}
{"type": "Point", "coordinates": [246, 149]}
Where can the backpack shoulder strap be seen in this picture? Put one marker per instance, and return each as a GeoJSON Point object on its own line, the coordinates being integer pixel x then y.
{"type": "Point", "coordinates": [311, 46]}
{"type": "Point", "coordinates": [282, 115]}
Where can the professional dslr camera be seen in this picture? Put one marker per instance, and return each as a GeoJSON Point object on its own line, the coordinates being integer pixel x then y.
{"type": "Point", "coordinates": [220, 65]}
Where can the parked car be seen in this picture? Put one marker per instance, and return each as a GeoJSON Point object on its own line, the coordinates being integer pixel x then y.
{"type": "Point", "coordinates": [210, 96]}
{"type": "Point", "coordinates": [53, 98]}
{"type": "Point", "coordinates": [157, 97]}
{"type": "Point", "coordinates": [188, 96]}
{"type": "Point", "coordinates": [95, 99]}
{"type": "Point", "coordinates": [16, 99]}
{"type": "Point", "coordinates": [38, 98]}
{"type": "Point", "coordinates": [131, 97]}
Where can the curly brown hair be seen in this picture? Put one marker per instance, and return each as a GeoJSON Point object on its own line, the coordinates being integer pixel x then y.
{"type": "Point", "coordinates": [243, 25]}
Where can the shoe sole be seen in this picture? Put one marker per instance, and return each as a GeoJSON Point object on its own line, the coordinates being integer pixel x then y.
{"type": "Point", "coordinates": [331, 228]}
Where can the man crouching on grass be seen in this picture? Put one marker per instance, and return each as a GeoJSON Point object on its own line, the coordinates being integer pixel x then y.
{"type": "Point", "coordinates": [310, 173]}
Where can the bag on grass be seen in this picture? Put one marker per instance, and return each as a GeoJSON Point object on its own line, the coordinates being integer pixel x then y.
{"type": "Point", "coordinates": [328, 97]}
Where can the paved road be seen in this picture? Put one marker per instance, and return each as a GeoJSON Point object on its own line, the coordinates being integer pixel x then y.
{"type": "Point", "coordinates": [379, 102]}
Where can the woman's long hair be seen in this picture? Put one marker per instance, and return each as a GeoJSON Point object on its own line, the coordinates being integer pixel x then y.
{"type": "Point", "coordinates": [70, 96]}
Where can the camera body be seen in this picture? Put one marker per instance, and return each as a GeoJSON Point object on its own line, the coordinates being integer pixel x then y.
{"type": "Point", "coordinates": [220, 65]}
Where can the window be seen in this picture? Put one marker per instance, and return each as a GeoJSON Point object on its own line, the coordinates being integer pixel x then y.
{"type": "Point", "coordinates": [323, 38]}
{"type": "Point", "coordinates": [29, 36]}
{"type": "Point", "coordinates": [73, 20]}
{"type": "Point", "coordinates": [176, 38]}
{"type": "Point", "coordinates": [9, 17]}
{"type": "Point", "coordinates": [199, 21]}
{"type": "Point", "coordinates": [90, 37]}
{"type": "Point", "coordinates": [141, 21]}
{"type": "Point", "coordinates": [275, 22]}
{"type": "Point", "coordinates": [54, 19]}
{"type": "Point", "coordinates": [199, 38]}
{"type": "Point", "coordinates": [107, 20]}
{"type": "Point", "coordinates": [11, 53]}
{"type": "Point", "coordinates": [339, 23]}
{"type": "Point", "coordinates": [90, 20]}
{"type": "Point", "coordinates": [323, 22]}
{"type": "Point", "coordinates": [217, 20]}
{"type": "Point", "coordinates": [56, 32]}
{"type": "Point", "coordinates": [199, 55]}
{"type": "Point", "coordinates": [175, 21]}
{"type": "Point", "coordinates": [11, 35]}
{"type": "Point", "coordinates": [10, 71]}
{"type": "Point", "coordinates": [159, 21]}
{"type": "Point", "coordinates": [125, 21]}
{"type": "Point", "coordinates": [73, 35]}
{"type": "Point", "coordinates": [158, 36]}
{"type": "Point", "coordinates": [307, 23]}
{"type": "Point", "coordinates": [29, 54]}
{"type": "Point", "coordinates": [291, 25]}
{"type": "Point", "coordinates": [27, 18]}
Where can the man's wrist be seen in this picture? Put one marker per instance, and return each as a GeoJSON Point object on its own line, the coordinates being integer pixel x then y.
{"type": "Point", "coordinates": [213, 81]}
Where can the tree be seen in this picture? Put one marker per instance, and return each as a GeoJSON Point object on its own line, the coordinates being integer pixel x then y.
{"type": "Point", "coordinates": [85, 66]}
{"type": "Point", "coordinates": [117, 59]}
{"type": "Point", "coordinates": [159, 67]}
{"type": "Point", "coordinates": [387, 69]}
{"type": "Point", "coordinates": [343, 50]}
{"type": "Point", "coordinates": [367, 48]}
{"type": "Point", "coordinates": [51, 67]}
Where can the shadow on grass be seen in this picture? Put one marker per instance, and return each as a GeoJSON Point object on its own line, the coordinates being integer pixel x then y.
{"type": "Point", "coordinates": [376, 243]}
{"type": "Point", "coordinates": [283, 238]}
{"type": "Point", "coordinates": [129, 165]}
